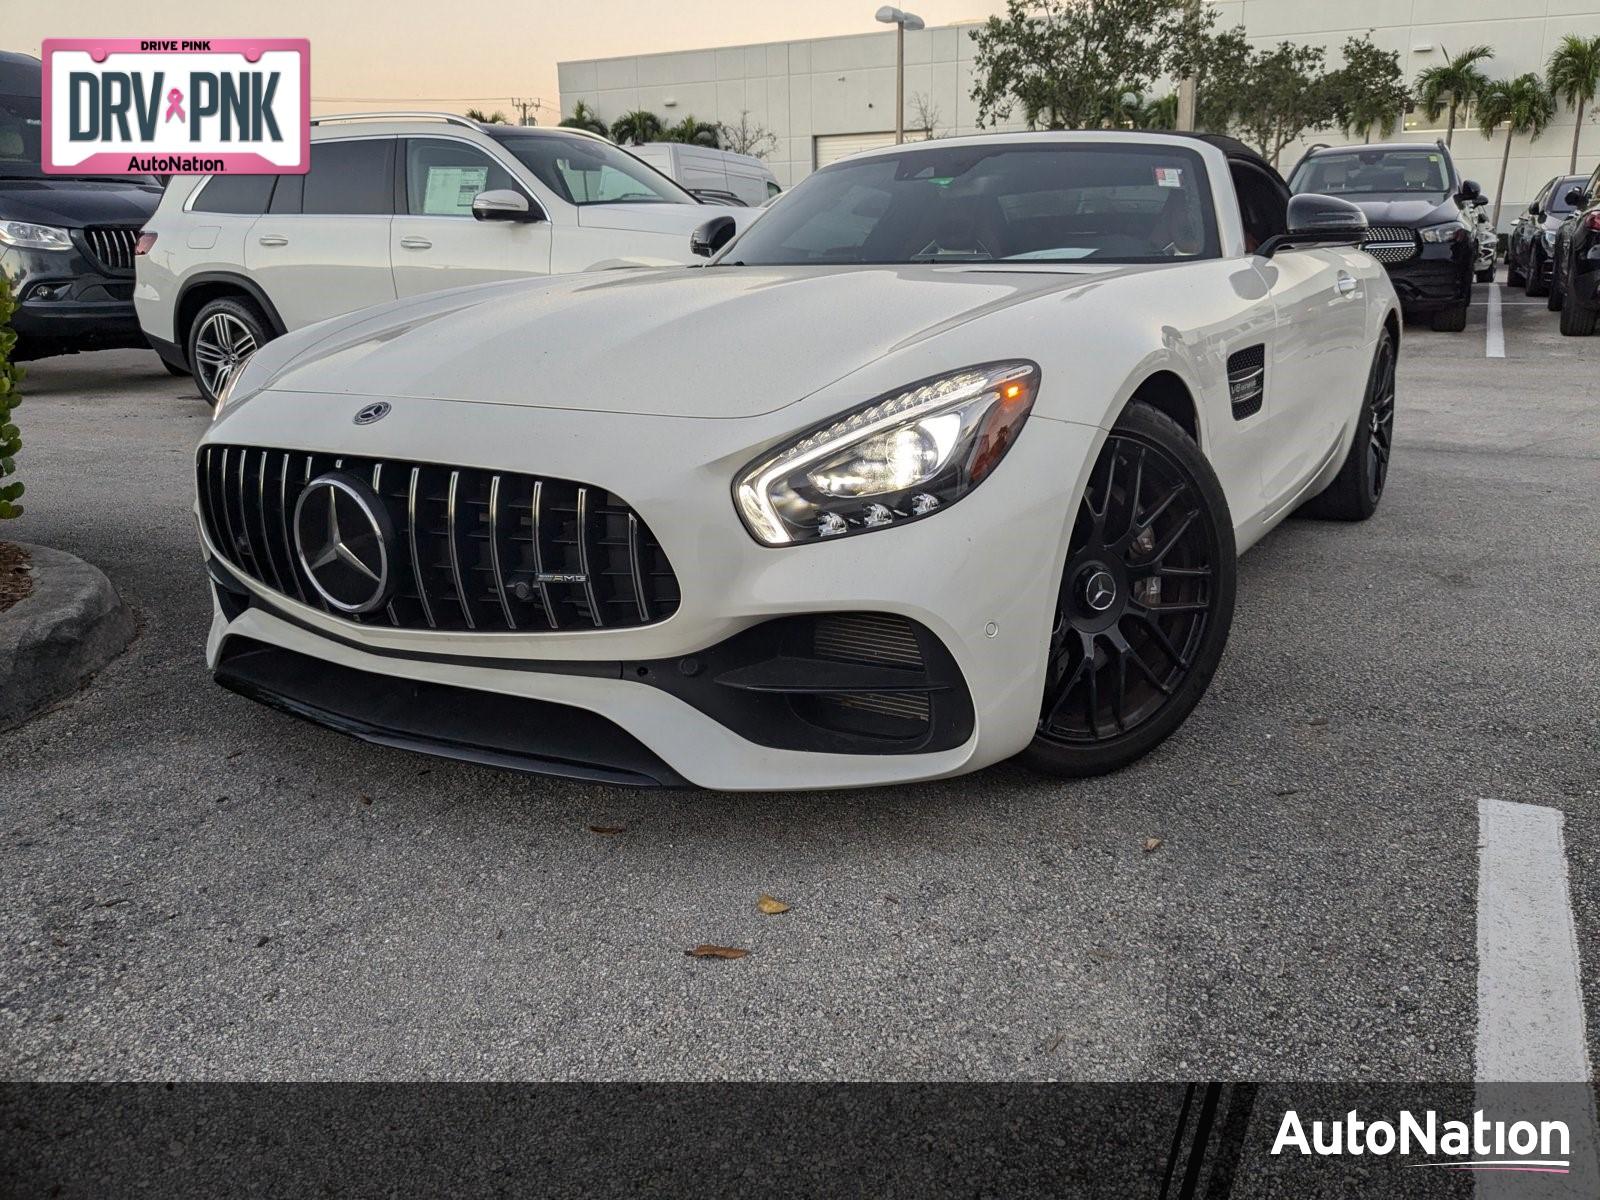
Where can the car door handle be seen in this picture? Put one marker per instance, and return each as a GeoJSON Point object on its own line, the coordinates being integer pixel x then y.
{"type": "Point", "coordinates": [416, 243]}
{"type": "Point", "coordinates": [273, 239]}
{"type": "Point", "coordinates": [1345, 285]}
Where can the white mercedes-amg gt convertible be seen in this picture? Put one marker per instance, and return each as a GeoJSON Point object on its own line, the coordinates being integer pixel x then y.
{"type": "Point", "coordinates": [946, 459]}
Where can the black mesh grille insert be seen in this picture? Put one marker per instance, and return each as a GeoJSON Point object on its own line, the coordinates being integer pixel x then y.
{"type": "Point", "coordinates": [475, 550]}
{"type": "Point", "coordinates": [1247, 380]}
{"type": "Point", "coordinates": [1392, 243]}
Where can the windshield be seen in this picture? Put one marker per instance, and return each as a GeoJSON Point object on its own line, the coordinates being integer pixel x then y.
{"type": "Point", "coordinates": [1371, 172]}
{"type": "Point", "coordinates": [993, 203]}
{"type": "Point", "coordinates": [20, 146]}
{"type": "Point", "coordinates": [584, 171]}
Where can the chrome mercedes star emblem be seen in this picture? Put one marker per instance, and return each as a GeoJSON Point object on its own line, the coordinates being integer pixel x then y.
{"type": "Point", "coordinates": [343, 537]}
{"type": "Point", "coordinates": [1099, 591]}
{"type": "Point", "coordinates": [374, 412]}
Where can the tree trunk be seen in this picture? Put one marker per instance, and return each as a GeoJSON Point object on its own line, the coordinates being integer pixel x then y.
{"type": "Point", "coordinates": [1577, 128]}
{"type": "Point", "coordinates": [1499, 191]}
{"type": "Point", "coordinates": [1450, 129]}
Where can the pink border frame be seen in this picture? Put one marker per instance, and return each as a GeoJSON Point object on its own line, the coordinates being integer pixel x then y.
{"type": "Point", "coordinates": [236, 163]}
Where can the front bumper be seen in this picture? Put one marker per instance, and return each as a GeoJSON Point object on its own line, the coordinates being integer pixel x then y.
{"type": "Point", "coordinates": [67, 303]}
{"type": "Point", "coordinates": [1439, 277]}
{"type": "Point", "coordinates": [980, 579]}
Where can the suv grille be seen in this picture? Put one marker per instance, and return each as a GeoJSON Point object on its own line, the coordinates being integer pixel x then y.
{"type": "Point", "coordinates": [1392, 243]}
{"type": "Point", "coordinates": [112, 246]}
{"type": "Point", "coordinates": [474, 550]}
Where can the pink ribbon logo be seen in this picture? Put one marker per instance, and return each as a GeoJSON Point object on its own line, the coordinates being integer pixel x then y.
{"type": "Point", "coordinates": [175, 105]}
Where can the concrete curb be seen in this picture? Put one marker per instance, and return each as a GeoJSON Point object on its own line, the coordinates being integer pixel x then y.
{"type": "Point", "coordinates": [70, 625]}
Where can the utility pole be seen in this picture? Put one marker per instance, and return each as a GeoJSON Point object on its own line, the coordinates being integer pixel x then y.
{"type": "Point", "coordinates": [523, 106]}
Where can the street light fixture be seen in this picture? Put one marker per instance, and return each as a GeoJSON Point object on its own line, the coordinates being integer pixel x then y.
{"type": "Point", "coordinates": [902, 21]}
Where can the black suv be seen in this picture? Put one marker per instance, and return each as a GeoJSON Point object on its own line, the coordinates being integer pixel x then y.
{"type": "Point", "coordinates": [1413, 198]}
{"type": "Point", "coordinates": [1575, 261]}
{"type": "Point", "coordinates": [66, 241]}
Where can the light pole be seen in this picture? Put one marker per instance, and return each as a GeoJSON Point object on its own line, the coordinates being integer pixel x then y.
{"type": "Point", "coordinates": [901, 21]}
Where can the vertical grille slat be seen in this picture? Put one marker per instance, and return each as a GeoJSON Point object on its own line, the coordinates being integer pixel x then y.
{"type": "Point", "coordinates": [112, 246]}
{"type": "Point", "coordinates": [509, 553]}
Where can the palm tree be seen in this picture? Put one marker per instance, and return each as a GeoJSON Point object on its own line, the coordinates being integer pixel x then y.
{"type": "Point", "coordinates": [1159, 113]}
{"type": "Point", "coordinates": [636, 127]}
{"type": "Point", "coordinates": [1573, 73]}
{"type": "Point", "coordinates": [584, 117]}
{"type": "Point", "coordinates": [477, 114]}
{"type": "Point", "coordinates": [1522, 105]}
{"type": "Point", "coordinates": [694, 132]}
{"type": "Point", "coordinates": [1454, 82]}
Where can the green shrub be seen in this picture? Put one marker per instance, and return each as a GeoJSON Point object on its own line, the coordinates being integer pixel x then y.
{"type": "Point", "coordinates": [10, 376]}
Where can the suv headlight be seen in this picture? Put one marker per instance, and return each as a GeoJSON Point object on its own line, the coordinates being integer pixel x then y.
{"type": "Point", "coordinates": [25, 235]}
{"type": "Point", "coordinates": [1449, 231]}
{"type": "Point", "coordinates": [904, 456]}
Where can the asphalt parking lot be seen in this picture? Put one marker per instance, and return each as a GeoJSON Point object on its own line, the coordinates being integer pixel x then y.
{"type": "Point", "coordinates": [197, 887]}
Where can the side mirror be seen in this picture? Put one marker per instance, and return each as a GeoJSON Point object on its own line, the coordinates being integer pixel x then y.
{"type": "Point", "coordinates": [503, 204]}
{"type": "Point", "coordinates": [1470, 192]}
{"type": "Point", "coordinates": [712, 236]}
{"type": "Point", "coordinates": [1315, 220]}
{"type": "Point", "coordinates": [1577, 197]}
{"type": "Point", "coordinates": [1534, 210]}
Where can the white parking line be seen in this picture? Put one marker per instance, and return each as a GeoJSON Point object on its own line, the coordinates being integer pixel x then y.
{"type": "Point", "coordinates": [1495, 343]}
{"type": "Point", "coordinates": [1530, 1000]}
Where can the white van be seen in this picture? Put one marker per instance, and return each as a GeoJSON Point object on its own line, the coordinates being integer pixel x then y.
{"type": "Point", "coordinates": [713, 175]}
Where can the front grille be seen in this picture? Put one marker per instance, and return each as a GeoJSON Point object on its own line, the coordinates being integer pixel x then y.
{"type": "Point", "coordinates": [1392, 243]}
{"type": "Point", "coordinates": [474, 549]}
{"type": "Point", "coordinates": [112, 246]}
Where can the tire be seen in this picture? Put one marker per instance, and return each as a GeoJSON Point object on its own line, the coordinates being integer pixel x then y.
{"type": "Point", "coordinates": [1486, 275]}
{"type": "Point", "coordinates": [1514, 277]}
{"type": "Point", "coordinates": [1356, 489]}
{"type": "Point", "coordinates": [224, 332]}
{"type": "Point", "coordinates": [1535, 285]}
{"type": "Point", "coordinates": [1558, 286]}
{"type": "Point", "coordinates": [1450, 320]}
{"type": "Point", "coordinates": [1577, 320]}
{"type": "Point", "coordinates": [1153, 518]}
{"type": "Point", "coordinates": [180, 372]}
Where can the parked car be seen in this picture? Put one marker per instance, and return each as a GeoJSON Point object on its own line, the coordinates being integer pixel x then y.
{"type": "Point", "coordinates": [963, 473]}
{"type": "Point", "coordinates": [66, 241]}
{"type": "Point", "coordinates": [395, 205]}
{"type": "Point", "coordinates": [1575, 276]}
{"type": "Point", "coordinates": [714, 175]}
{"type": "Point", "coordinates": [1530, 248]}
{"type": "Point", "coordinates": [1488, 244]}
{"type": "Point", "coordinates": [1414, 200]}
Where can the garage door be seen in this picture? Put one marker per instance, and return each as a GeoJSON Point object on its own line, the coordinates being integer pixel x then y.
{"type": "Point", "coordinates": [830, 148]}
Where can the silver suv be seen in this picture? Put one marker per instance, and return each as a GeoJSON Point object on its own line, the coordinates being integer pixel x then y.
{"type": "Point", "coordinates": [394, 205]}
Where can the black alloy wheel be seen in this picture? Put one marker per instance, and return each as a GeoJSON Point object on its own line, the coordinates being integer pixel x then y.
{"type": "Point", "coordinates": [1145, 601]}
{"type": "Point", "coordinates": [1535, 284]}
{"type": "Point", "coordinates": [1356, 489]}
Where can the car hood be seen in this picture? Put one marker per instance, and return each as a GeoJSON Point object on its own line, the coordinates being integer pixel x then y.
{"type": "Point", "coordinates": [718, 342]}
{"type": "Point", "coordinates": [658, 218]}
{"type": "Point", "coordinates": [1415, 211]}
{"type": "Point", "coordinates": [76, 203]}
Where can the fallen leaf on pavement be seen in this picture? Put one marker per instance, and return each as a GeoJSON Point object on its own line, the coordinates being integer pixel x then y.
{"type": "Point", "coordinates": [1152, 844]}
{"type": "Point", "coordinates": [608, 830]}
{"type": "Point", "coordinates": [771, 905]}
{"type": "Point", "coordinates": [705, 951]}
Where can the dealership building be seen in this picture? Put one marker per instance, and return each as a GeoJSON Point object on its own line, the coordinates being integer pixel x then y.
{"type": "Point", "coordinates": [824, 98]}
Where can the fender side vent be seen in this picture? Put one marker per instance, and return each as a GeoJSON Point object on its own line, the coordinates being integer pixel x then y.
{"type": "Point", "coordinates": [1247, 380]}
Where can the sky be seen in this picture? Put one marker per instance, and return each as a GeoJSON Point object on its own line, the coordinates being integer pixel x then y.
{"type": "Point", "coordinates": [404, 53]}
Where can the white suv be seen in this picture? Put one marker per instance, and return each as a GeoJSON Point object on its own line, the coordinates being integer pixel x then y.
{"type": "Point", "coordinates": [394, 205]}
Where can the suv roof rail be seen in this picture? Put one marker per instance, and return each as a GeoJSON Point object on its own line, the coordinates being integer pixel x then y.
{"type": "Point", "coordinates": [448, 118]}
{"type": "Point", "coordinates": [1440, 142]}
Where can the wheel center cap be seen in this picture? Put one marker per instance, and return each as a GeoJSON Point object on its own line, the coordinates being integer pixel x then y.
{"type": "Point", "coordinates": [1099, 591]}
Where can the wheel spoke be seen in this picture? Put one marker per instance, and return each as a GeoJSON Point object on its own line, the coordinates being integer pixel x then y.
{"type": "Point", "coordinates": [1150, 622]}
{"type": "Point", "coordinates": [1176, 535]}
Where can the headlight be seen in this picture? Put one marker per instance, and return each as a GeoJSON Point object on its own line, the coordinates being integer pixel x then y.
{"type": "Point", "coordinates": [1549, 237]}
{"type": "Point", "coordinates": [902, 457]}
{"type": "Point", "coordinates": [1450, 231]}
{"type": "Point", "coordinates": [25, 235]}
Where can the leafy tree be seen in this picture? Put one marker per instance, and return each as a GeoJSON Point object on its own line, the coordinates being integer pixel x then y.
{"type": "Point", "coordinates": [1369, 90]}
{"type": "Point", "coordinates": [924, 115]}
{"type": "Point", "coordinates": [1222, 79]}
{"type": "Point", "coordinates": [1573, 73]}
{"type": "Point", "coordinates": [10, 376]}
{"type": "Point", "coordinates": [1284, 93]}
{"type": "Point", "coordinates": [477, 114]}
{"type": "Point", "coordinates": [1522, 105]}
{"type": "Point", "coordinates": [1061, 59]}
{"type": "Point", "coordinates": [1452, 83]}
{"type": "Point", "coordinates": [636, 128]}
{"type": "Point", "coordinates": [694, 132]}
{"type": "Point", "coordinates": [748, 137]}
{"type": "Point", "coordinates": [584, 117]}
